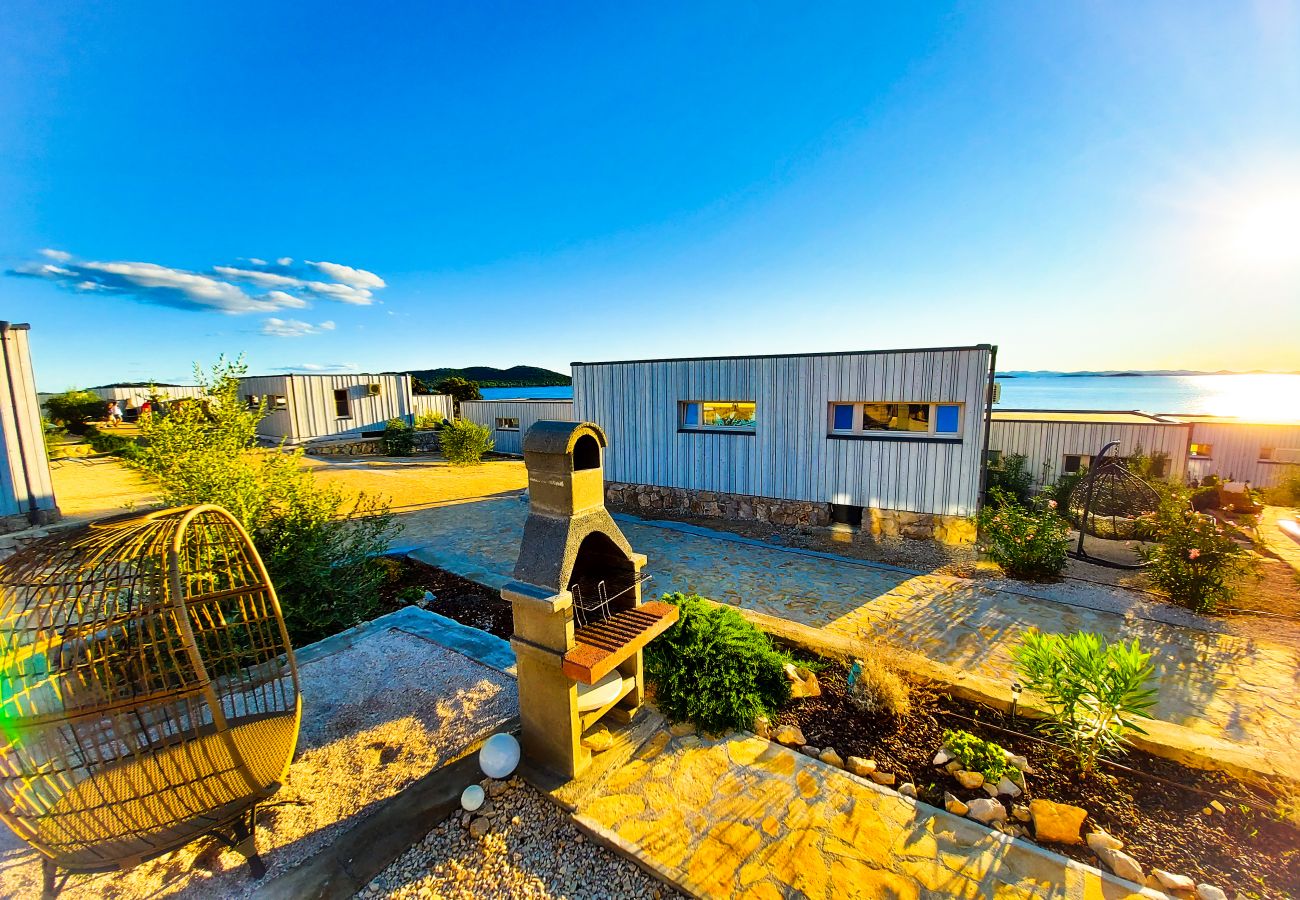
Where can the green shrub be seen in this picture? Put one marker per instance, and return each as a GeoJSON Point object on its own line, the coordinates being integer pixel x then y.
{"type": "Point", "coordinates": [430, 419]}
{"type": "Point", "coordinates": [1010, 476]}
{"type": "Point", "coordinates": [1094, 690]}
{"type": "Point", "coordinates": [1193, 560]}
{"type": "Point", "coordinates": [115, 444]}
{"type": "Point", "coordinates": [319, 547]}
{"type": "Point", "coordinates": [72, 409]}
{"type": "Point", "coordinates": [1064, 487]}
{"type": "Point", "coordinates": [1028, 543]}
{"type": "Point", "coordinates": [714, 669]}
{"type": "Point", "coordinates": [411, 594]}
{"type": "Point", "coordinates": [978, 755]}
{"type": "Point", "coordinates": [399, 438]}
{"type": "Point", "coordinates": [1205, 498]}
{"type": "Point", "coordinates": [464, 442]}
{"type": "Point", "coordinates": [1287, 491]}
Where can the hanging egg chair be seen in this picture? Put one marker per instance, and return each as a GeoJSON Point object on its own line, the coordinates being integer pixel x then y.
{"type": "Point", "coordinates": [148, 691]}
{"type": "Point", "coordinates": [1105, 506]}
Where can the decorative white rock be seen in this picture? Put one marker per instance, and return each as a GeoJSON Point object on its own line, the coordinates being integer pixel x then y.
{"type": "Point", "coordinates": [1009, 787]}
{"type": "Point", "coordinates": [942, 758]}
{"type": "Point", "coordinates": [471, 798]}
{"type": "Point", "coordinates": [1210, 892]}
{"type": "Point", "coordinates": [907, 789]}
{"type": "Point", "coordinates": [499, 755]}
{"type": "Point", "coordinates": [969, 780]}
{"type": "Point", "coordinates": [987, 811]}
{"type": "Point", "coordinates": [1171, 881]}
{"type": "Point", "coordinates": [1099, 840]}
{"type": "Point", "coordinates": [1122, 864]}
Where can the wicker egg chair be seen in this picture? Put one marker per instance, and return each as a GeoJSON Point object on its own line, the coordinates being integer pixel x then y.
{"type": "Point", "coordinates": [148, 691]}
{"type": "Point", "coordinates": [1106, 507]}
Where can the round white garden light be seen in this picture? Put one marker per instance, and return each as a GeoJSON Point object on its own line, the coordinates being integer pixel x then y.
{"type": "Point", "coordinates": [471, 798]}
{"type": "Point", "coordinates": [499, 756]}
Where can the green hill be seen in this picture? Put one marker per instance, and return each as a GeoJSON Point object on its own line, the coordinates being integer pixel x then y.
{"type": "Point", "coordinates": [488, 376]}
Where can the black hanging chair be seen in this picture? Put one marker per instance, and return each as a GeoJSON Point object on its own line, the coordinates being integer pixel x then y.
{"type": "Point", "coordinates": [1105, 507]}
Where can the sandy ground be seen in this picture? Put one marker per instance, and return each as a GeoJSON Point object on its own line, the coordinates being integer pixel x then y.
{"type": "Point", "coordinates": [418, 482]}
{"type": "Point", "coordinates": [88, 489]}
{"type": "Point", "coordinates": [376, 717]}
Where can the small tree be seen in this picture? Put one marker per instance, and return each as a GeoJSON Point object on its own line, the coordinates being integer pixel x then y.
{"type": "Point", "coordinates": [318, 546]}
{"type": "Point", "coordinates": [429, 420]}
{"type": "Point", "coordinates": [464, 442]}
{"type": "Point", "coordinates": [1094, 691]}
{"type": "Point", "coordinates": [72, 408]}
{"type": "Point", "coordinates": [460, 390]}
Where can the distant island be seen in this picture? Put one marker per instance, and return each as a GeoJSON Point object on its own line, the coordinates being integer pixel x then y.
{"type": "Point", "coordinates": [491, 377]}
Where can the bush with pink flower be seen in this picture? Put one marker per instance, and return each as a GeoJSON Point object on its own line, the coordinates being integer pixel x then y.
{"type": "Point", "coordinates": [1027, 542]}
{"type": "Point", "coordinates": [1193, 559]}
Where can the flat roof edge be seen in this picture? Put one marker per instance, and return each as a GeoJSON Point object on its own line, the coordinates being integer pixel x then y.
{"type": "Point", "coordinates": [618, 362]}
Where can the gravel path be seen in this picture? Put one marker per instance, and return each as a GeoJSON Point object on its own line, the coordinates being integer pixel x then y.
{"type": "Point", "coordinates": [531, 849]}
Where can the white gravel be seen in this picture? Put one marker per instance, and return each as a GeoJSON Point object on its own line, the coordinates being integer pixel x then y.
{"type": "Point", "coordinates": [376, 717]}
{"type": "Point", "coordinates": [531, 849]}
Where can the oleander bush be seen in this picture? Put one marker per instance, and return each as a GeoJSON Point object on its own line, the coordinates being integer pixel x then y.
{"type": "Point", "coordinates": [1095, 691]}
{"type": "Point", "coordinates": [464, 442]}
{"type": "Point", "coordinates": [714, 669]}
{"type": "Point", "coordinates": [1192, 559]}
{"type": "Point", "coordinates": [1027, 542]}
{"type": "Point", "coordinates": [1011, 479]}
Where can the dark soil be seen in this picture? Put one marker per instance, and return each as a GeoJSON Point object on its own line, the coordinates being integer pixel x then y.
{"type": "Point", "coordinates": [456, 598]}
{"type": "Point", "coordinates": [1162, 825]}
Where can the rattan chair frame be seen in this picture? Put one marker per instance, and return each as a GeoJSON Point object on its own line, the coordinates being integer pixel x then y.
{"type": "Point", "coordinates": [149, 693]}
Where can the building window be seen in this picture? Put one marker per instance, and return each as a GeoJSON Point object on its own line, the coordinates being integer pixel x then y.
{"type": "Point", "coordinates": [1076, 462]}
{"type": "Point", "coordinates": [1200, 451]}
{"type": "Point", "coordinates": [936, 419]}
{"type": "Point", "coordinates": [253, 401]}
{"type": "Point", "coordinates": [276, 401]}
{"type": "Point", "coordinates": [992, 457]}
{"type": "Point", "coordinates": [507, 424]}
{"type": "Point", "coordinates": [719, 415]}
{"type": "Point", "coordinates": [342, 407]}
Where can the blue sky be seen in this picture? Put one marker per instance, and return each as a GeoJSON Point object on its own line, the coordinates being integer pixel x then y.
{"type": "Point", "coordinates": [383, 186]}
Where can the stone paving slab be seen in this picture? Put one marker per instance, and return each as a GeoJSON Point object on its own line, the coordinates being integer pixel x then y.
{"type": "Point", "coordinates": [1221, 685]}
{"type": "Point", "coordinates": [739, 816]}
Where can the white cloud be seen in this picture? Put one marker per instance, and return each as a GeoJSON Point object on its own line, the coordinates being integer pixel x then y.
{"type": "Point", "coordinates": [261, 288]}
{"type": "Point", "coordinates": [358, 278]}
{"type": "Point", "coordinates": [320, 368]}
{"type": "Point", "coordinates": [294, 327]}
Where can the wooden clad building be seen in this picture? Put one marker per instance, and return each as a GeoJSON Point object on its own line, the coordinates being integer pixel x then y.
{"type": "Point", "coordinates": [26, 490]}
{"type": "Point", "coordinates": [312, 407]}
{"type": "Point", "coordinates": [1061, 442]}
{"type": "Point", "coordinates": [511, 419]}
{"type": "Point", "coordinates": [889, 440]}
{"type": "Point", "coordinates": [1238, 450]}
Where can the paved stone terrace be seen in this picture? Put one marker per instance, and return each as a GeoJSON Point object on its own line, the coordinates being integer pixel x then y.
{"type": "Point", "coordinates": [738, 816]}
{"type": "Point", "coordinates": [1214, 683]}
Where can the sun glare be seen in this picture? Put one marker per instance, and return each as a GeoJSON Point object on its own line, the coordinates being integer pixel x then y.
{"type": "Point", "coordinates": [1253, 228]}
{"type": "Point", "coordinates": [1255, 398]}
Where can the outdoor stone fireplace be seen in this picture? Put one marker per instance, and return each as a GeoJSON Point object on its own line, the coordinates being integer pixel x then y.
{"type": "Point", "coordinates": [579, 623]}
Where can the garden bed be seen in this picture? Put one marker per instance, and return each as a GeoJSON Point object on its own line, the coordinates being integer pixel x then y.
{"type": "Point", "coordinates": [1157, 809]}
{"type": "Point", "coordinates": [456, 598]}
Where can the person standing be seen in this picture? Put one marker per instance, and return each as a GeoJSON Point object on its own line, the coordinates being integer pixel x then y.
{"type": "Point", "coordinates": [114, 414]}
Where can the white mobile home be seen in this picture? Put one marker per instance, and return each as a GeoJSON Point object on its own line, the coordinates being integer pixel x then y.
{"type": "Point", "coordinates": [132, 396]}
{"type": "Point", "coordinates": [304, 408]}
{"type": "Point", "coordinates": [1062, 442]}
{"type": "Point", "coordinates": [511, 419]}
{"type": "Point", "coordinates": [26, 491]}
{"type": "Point", "coordinates": [1238, 450]}
{"type": "Point", "coordinates": [888, 439]}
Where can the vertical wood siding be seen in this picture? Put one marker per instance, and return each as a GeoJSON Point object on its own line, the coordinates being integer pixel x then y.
{"type": "Point", "coordinates": [310, 399]}
{"type": "Point", "coordinates": [1046, 444]}
{"type": "Point", "coordinates": [486, 412]}
{"type": "Point", "coordinates": [134, 396]}
{"type": "Point", "coordinates": [1235, 450]}
{"type": "Point", "coordinates": [25, 476]}
{"type": "Point", "coordinates": [427, 403]}
{"type": "Point", "coordinates": [790, 455]}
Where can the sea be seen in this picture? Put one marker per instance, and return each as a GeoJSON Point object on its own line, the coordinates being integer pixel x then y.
{"type": "Point", "coordinates": [1259, 398]}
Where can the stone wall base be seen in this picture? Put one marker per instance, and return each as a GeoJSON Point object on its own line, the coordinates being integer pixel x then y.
{"type": "Point", "coordinates": [876, 523]}
{"type": "Point", "coordinates": [425, 442]}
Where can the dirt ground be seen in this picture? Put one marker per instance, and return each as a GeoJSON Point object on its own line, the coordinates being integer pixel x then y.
{"type": "Point", "coordinates": [87, 489]}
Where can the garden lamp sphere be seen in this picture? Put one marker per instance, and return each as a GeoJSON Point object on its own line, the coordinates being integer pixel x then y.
{"type": "Point", "coordinates": [499, 756]}
{"type": "Point", "coordinates": [471, 798]}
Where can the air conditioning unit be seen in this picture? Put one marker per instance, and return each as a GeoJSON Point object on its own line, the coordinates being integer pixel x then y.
{"type": "Point", "coordinates": [374, 390]}
{"type": "Point", "coordinates": [1287, 455]}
